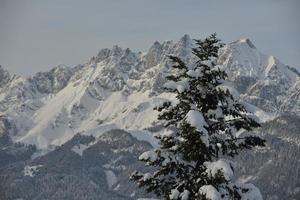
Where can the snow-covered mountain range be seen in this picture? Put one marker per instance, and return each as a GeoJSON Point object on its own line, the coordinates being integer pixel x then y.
{"type": "Point", "coordinates": [118, 89]}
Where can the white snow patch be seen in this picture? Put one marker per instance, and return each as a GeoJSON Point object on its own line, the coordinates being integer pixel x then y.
{"type": "Point", "coordinates": [148, 155]}
{"type": "Point", "coordinates": [111, 178]}
{"type": "Point", "coordinates": [223, 165]}
{"type": "Point", "coordinates": [174, 194]}
{"type": "Point", "coordinates": [194, 73]}
{"type": "Point", "coordinates": [196, 119]}
{"type": "Point", "coordinates": [210, 192]}
{"type": "Point", "coordinates": [180, 88]}
{"type": "Point", "coordinates": [253, 193]}
{"type": "Point", "coordinates": [245, 179]}
{"type": "Point", "coordinates": [185, 195]}
{"type": "Point", "coordinates": [261, 115]}
{"type": "Point", "coordinates": [80, 148]}
{"type": "Point", "coordinates": [170, 85]}
{"type": "Point", "coordinates": [30, 170]}
{"type": "Point", "coordinates": [144, 135]}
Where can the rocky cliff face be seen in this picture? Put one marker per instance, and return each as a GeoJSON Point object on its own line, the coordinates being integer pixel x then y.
{"type": "Point", "coordinates": [52, 81]}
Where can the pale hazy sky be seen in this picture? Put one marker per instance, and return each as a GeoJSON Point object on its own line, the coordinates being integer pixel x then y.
{"type": "Point", "coordinates": [36, 35]}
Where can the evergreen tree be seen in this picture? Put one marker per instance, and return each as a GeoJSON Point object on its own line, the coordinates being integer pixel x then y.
{"type": "Point", "coordinates": [201, 132]}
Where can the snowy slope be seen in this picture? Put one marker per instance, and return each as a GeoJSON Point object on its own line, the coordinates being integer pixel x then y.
{"type": "Point", "coordinates": [263, 79]}
{"type": "Point", "coordinates": [119, 88]}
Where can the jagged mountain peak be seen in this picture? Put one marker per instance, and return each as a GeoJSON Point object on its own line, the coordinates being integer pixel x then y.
{"type": "Point", "coordinates": [156, 44]}
{"type": "Point", "coordinates": [4, 76]}
{"type": "Point", "coordinates": [244, 59]}
{"type": "Point", "coordinates": [116, 50]}
{"type": "Point", "coordinates": [114, 54]}
{"type": "Point", "coordinates": [157, 52]}
{"type": "Point", "coordinates": [54, 80]}
{"type": "Point", "coordinates": [244, 41]}
{"type": "Point", "coordinates": [185, 40]}
{"type": "Point", "coordinates": [61, 67]}
{"type": "Point", "coordinates": [1, 68]}
{"type": "Point", "coordinates": [263, 79]}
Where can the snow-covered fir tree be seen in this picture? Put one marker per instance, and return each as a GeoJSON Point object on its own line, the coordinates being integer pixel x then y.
{"type": "Point", "coordinates": [202, 131]}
